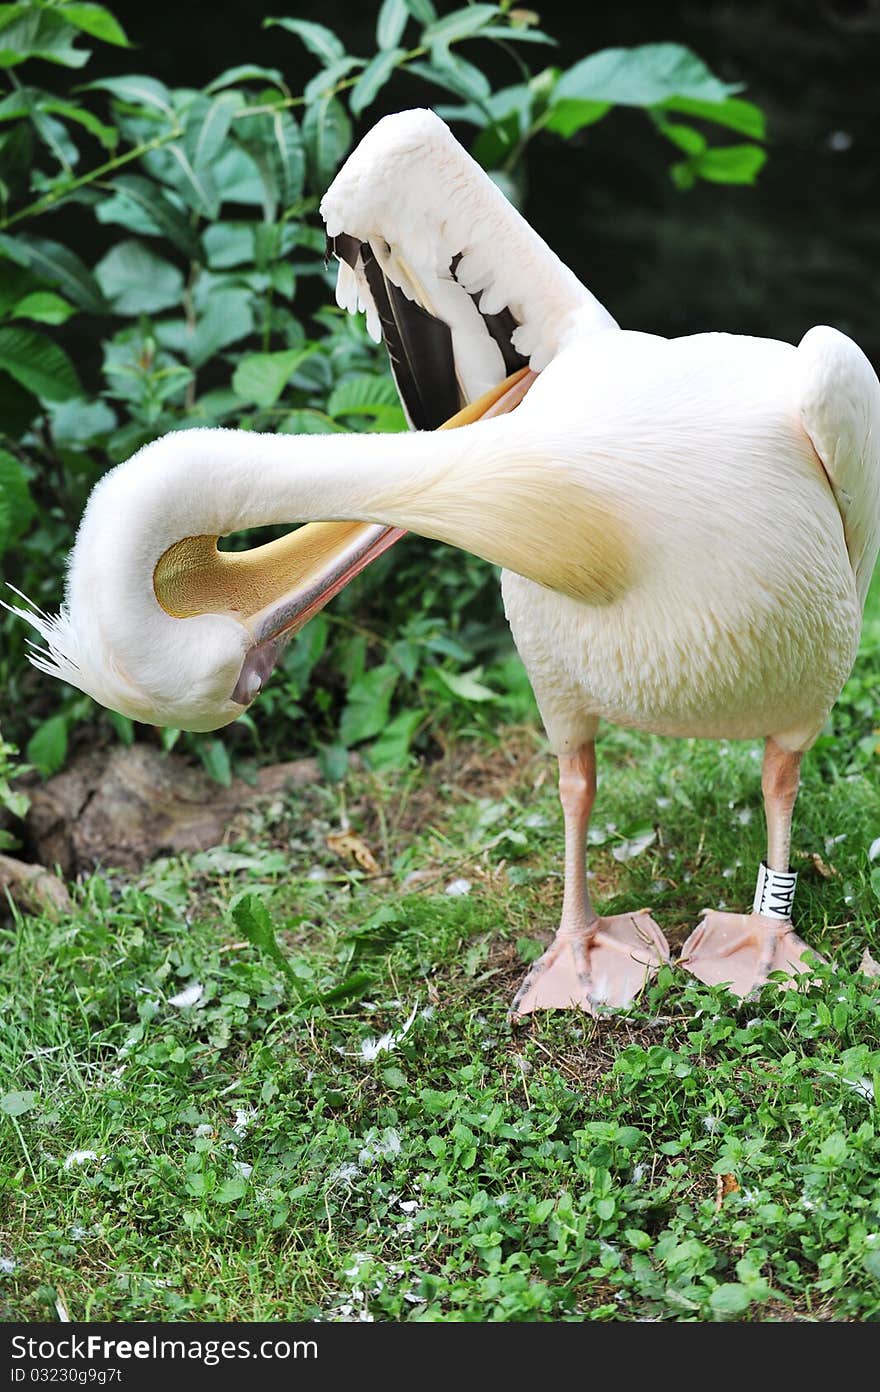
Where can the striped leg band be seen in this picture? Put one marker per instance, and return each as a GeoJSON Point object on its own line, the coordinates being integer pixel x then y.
{"type": "Point", "coordinates": [774, 892]}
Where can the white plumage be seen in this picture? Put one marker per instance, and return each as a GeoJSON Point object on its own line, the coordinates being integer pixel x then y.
{"type": "Point", "coordinates": [687, 527]}
{"type": "Point", "coordinates": [420, 201]}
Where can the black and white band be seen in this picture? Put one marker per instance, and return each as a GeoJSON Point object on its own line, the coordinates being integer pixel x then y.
{"type": "Point", "coordinates": [774, 892]}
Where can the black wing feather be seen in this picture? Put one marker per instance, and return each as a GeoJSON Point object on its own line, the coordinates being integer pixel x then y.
{"type": "Point", "coordinates": [419, 344]}
{"type": "Point", "coordinates": [420, 349]}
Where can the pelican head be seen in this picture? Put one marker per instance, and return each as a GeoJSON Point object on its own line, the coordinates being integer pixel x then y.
{"type": "Point", "coordinates": [162, 626]}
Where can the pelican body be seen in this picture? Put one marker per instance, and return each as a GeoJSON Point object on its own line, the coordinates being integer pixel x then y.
{"type": "Point", "coordinates": [686, 528]}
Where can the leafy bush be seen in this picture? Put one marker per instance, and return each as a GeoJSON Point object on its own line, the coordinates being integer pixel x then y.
{"type": "Point", "coordinates": [178, 229]}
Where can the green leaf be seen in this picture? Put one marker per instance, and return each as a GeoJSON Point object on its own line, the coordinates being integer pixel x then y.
{"type": "Point", "coordinates": [365, 394]}
{"type": "Point", "coordinates": [459, 24]}
{"type": "Point", "coordinates": [516, 33]}
{"type": "Point", "coordinates": [123, 726]}
{"type": "Point", "coordinates": [638, 1238]}
{"type": "Point", "coordinates": [165, 215]}
{"type": "Point", "coordinates": [28, 32]}
{"type": "Point", "coordinates": [833, 1150]}
{"type": "Point", "coordinates": [38, 364]}
{"type": "Point", "coordinates": [96, 21]}
{"type": "Point", "coordinates": [47, 746]}
{"type": "Point", "coordinates": [246, 72]}
{"type": "Point", "coordinates": [391, 749]}
{"type": "Point", "coordinates": [327, 134]}
{"type": "Point", "coordinates": [465, 684]}
{"type": "Point", "coordinates": [685, 137]}
{"type": "Point", "coordinates": [729, 1299]}
{"type": "Point", "coordinates": [54, 263]}
{"type": "Point", "coordinates": [195, 185]}
{"type": "Point", "coordinates": [730, 164]}
{"type": "Point", "coordinates": [215, 757]}
{"type": "Point", "coordinates": [227, 318]}
{"type": "Point", "coordinates": [26, 101]}
{"type": "Point", "coordinates": [251, 917]}
{"type": "Point", "coordinates": [251, 133]}
{"type": "Point", "coordinates": [283, 279]}
{"type": "Point", "coordinates": [643, 76]}
{"type": "Point", "coordinates": [137, 90]}
{"type": "Point", "coordinates": [231, 1190]}
{"type": "Point", "coordinates": [229, 244]}
{"type": "Point", "coordinates": [317, 38]}
{"type": "Point", "coordinates": [871, 1261]}
{"type": "Point", "coordinates": [120, 211]}
{"type": "Point", "coordinates": [206, 126]}
{"type": "Point", "coordinates": [15, 1104]}
{"type": "Point", "coordinates": [137, 281]}
{"type": "Point", "coordinates": [571, 115]}
{"type": "Point", "coordinates": [43, 307]}
{"type": "Point", "coordinates": [738, 115]}
{"type": "Point", "coordinates": [459, 76]}
{"type": "Point", "coordinates": [394, 1078]}
{"type": "Point", "coordinates": [392, 20]}
{"type": "Point", "coordinates": [107, 135]}
{"type": "Point", "coordinates": [78, 424]}
{"type": "Point", "coordinates": [274, 143]}
{"type": "Point", "coordinates": [368, 705]}
{"type": "Point", "coordinates": [333, 762]}
{"type": "Point", "coordinates": [289, 157]}
{"type": "Point", "coordinates": [351, 988]}
{"type": "Point", "coordinates": [309, 422]}
{"type": "Point", "coordinates": [261, 377]}
{"type": "Point", "coordinates": [322, 83]}
{"type": "Point", "coordinates": [423, 10]}
{"type": "Point", "coordinates": [56, 138]}
{"type": "Point", "coordinates": [389, 420]}
{"type": "Point", "coordinates": [374, 77]}
{"type": "Point", "coordinates": [16, 505]}
{"type": "Point", "coordinates": [448, 79]}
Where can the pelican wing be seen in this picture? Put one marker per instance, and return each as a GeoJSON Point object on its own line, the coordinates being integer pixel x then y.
{"type": "Point", "coordinates": [462, 289]}
{"type": "Point", "coordinates": [840, 411]}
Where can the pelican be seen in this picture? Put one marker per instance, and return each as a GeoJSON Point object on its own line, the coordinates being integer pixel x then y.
{"type": "Point", "coordinates": [686, 529]}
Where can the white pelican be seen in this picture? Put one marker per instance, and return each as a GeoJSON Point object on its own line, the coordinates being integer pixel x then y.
{"type": "Point", "coordinates": [687, 528]}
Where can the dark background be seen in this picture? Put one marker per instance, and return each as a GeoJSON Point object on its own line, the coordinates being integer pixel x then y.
{"type": "Point", "coordinates": [799, 248]}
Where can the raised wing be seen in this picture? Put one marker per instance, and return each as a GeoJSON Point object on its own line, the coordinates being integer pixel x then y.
{"type": "Point", "coordinates": [463, 290]}
{"type": "Point", "coordinates": [840, 411]}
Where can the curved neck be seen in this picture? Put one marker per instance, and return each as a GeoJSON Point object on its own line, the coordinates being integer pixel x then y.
{"type": "Point", "coordinates": [232, 480]}
{"type": "Point", "coordinates": [489, 488]}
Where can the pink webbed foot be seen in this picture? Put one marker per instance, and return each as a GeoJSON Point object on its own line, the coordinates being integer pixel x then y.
{"type": "Point", "coordinates": [741, 950]}
{"type": "Point", "coordinates": [606, 964]}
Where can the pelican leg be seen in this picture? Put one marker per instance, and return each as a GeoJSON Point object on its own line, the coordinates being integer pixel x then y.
{"type": "Point", "coordinates": [741, 950]}
{"type": "Point", "coordinates": [592, 961]}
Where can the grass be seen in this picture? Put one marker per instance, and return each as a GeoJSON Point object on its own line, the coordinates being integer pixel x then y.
{"type": "Point", "coordinates": [349, 1128]}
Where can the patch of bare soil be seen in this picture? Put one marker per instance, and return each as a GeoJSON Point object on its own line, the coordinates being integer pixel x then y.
{"type": "Point", "coordinates": [32, 887]}
{"type": "Point", "coordinates": [469, 771]}
{"type": "Point", "coordinates": [125, 806]}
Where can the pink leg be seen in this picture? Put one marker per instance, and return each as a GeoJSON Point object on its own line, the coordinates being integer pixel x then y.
{"type": "Point", "coordinates": [780, 780]}
{"type": "Point", "coordinates": [741, 950]}
{"type": "Point", "coordinates": [577, 793]}
{"type": "Point", "coordinates": [592, 961]}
